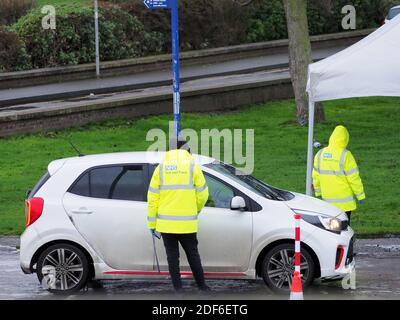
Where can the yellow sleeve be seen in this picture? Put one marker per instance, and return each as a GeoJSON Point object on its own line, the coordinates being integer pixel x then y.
{"type": "Point", "coordinates": [153, 199]}
{"type": "Point", "coordinates": [353, 176]}
{"type": "Point", "coordinates": [315, 177]}
{"type": "Point", "coordinates": [201, 187]}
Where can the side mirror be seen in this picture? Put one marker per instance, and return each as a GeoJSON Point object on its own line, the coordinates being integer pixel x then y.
{"type": "Point", "coordinates": [238, 203]}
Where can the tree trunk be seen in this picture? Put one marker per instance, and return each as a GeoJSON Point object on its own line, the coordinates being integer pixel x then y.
{"type": "Point", "coordinates": [300, 57]}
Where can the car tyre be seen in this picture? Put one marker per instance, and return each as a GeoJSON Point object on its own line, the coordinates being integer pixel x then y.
{"type": "Point", "coordinates": [278, 267]}
{"type": "Point", "coordinates": [63, 268]}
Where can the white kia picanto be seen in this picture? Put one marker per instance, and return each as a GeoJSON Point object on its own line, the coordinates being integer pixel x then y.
{"type": "Point", "coordinates": [87, 219]}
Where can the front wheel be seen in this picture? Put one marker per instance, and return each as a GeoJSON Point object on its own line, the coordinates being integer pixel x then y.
{"type": "Point", "coordinates": [278, 268]}
{"type": "Point", "coordinates": [62, 268]}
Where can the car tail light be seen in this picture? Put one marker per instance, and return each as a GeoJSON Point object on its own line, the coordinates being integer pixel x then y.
{"type": "Point", "coordinates": [34, 209]}
{"type": "Point", "coordinates": [339, 256]}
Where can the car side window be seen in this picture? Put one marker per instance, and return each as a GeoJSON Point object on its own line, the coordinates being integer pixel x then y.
{"type": "Point", "coordinates": [220, 195]}
{"type": "Point", "coordinates": [114, 182]}
{"type": "Point", "coordinates": [81, 187]}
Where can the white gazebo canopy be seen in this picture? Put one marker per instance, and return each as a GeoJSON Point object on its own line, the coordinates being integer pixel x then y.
{"type": "Point", "coordinates": [371, 67]}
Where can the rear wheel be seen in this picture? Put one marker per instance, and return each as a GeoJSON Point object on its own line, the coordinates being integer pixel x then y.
{"type": "Point", "coordinates": [278, 268]}
{"type": "Point", "coordinates": [63, 268]}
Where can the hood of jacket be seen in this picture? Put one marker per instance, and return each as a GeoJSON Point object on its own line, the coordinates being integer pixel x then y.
{"type": "Point", "coordinates": [339, 138]}
{"type": "Point", "coordinates": [178, 155]}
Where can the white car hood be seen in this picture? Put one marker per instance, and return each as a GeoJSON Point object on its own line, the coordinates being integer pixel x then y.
{"type": "Point", "coordinates": [313, 206]}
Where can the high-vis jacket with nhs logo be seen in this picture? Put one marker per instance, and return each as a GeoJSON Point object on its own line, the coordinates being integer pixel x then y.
{"type": "Point", "coordinates": [177, 193]}
{"type": "Point", "coordinates": [336, 176]}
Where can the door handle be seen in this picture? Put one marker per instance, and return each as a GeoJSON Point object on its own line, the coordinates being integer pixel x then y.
{"type": "Point", "coordinates": [82, 211]}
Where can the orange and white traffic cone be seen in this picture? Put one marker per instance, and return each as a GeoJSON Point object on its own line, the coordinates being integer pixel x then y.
{"type": "Point", "coordinates": [296, 292]}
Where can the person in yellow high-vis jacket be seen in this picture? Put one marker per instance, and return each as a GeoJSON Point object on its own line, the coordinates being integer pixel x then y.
{"type": "Point", "coordinates": [176, 195]}
{"type": "Point", "coordinates": [336, 177]}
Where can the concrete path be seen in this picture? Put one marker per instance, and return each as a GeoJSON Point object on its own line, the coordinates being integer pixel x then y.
{"type": "Point", "coordinates": [86, 101]}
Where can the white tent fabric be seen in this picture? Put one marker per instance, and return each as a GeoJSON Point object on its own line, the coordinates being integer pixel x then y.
{"type": "Point", "coordinates": [371, 67]}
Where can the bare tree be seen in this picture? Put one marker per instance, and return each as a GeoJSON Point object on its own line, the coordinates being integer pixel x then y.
{"type": "Point", "coordinates": [299, 54]}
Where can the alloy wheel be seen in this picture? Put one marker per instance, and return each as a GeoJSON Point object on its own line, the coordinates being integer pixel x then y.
{"type": "Point", "coordinates": [62, 269]}
{"type": "Point", "coordinates": [280, 268]}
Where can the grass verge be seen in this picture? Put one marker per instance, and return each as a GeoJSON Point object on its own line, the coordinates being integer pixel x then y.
{"type": "Point", "coordinates": [57, 3]}
{"type": "Point", "coordinates": [280, 153]}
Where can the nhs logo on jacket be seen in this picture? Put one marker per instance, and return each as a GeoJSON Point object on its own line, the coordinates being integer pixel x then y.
{"type": "Point", "coordinates": [171, 167]}
{"type": "Point", "coordinates": [328, 155]}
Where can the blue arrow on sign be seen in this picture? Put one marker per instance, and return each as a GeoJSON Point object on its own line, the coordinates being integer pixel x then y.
{"type": "Point", "coordinates": [157, 4]}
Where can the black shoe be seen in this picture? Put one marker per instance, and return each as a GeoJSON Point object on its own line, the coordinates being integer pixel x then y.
{"type": "Point", "coordinates": [178, 290]}
{"type": "Point", "coordinates": [205, 288]}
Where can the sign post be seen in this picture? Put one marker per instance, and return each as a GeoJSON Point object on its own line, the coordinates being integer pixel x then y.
{"type": "Point", "coordinates": [173, 6]}
{"type": "Point", "coordinates": [97, 41]}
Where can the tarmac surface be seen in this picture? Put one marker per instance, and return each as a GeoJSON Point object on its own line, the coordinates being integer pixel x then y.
{"type": "Point", "coordinates": [189, 86]}
{"type": "Point", "coordinates": [377, 278]}
{"type": "Point", "coordinates": [80, 88]}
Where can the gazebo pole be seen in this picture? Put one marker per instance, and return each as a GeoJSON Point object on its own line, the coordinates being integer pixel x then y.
{"type": "Point", "coordinates": [310, 154]}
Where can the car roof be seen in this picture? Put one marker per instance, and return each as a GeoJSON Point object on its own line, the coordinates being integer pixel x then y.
{"type": "Point", "coordinates": [118, 158]}
{"type": "Point", "coordinates": [395, 7]}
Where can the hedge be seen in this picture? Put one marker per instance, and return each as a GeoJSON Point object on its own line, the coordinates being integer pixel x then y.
{"type": "Point", "coordinates": [128, 29]}
{"type": "Point", "coordinates": [268, 20]}
{"type": "Point", "coordinates": [73, 41]}
{"type": "Point", "coordinates": [13, 56]}
{"type": "Point", "coordinates": [12, 10]}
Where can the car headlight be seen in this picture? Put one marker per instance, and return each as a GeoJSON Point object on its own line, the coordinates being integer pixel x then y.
{"type": "Point", "coordinates": [326, 223]}
{"type": "Point", "coordinates": [331, 224]}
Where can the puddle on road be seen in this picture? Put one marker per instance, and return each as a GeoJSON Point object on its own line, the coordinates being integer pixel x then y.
{"type": "Point", "coordinates": [376, 279]}
{"type": "Point", "coordinates": [388, 248]}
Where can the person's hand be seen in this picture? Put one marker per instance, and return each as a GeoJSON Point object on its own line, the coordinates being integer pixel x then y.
{"type": "Point", "coordinates": [361, 201]}
{"type": "Point", "coordinates": [154, 234]}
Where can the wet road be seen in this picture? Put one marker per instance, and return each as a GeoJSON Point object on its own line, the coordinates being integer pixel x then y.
{"type": "Point", "coordinates": [377, 277]}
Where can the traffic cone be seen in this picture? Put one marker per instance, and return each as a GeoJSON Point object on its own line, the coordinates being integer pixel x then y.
{"type": "Point", "coordinates": [296, 291]}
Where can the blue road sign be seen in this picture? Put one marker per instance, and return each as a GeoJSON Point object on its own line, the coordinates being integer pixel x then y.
{"type": "Point", "coordinates": [157, 4]}
{"type": "Point", "coordinates": [173, 5]}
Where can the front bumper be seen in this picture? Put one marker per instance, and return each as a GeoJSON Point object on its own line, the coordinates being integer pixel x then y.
{"type": "Point", "coordinates": [325, 245]}
{"type": "Point", "coordinates": [341, 273]}
{"type": "Point", "coordinates": [345, 265]}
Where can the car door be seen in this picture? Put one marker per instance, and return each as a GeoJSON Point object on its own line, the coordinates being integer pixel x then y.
{"type": "Point", "coordinates": [225, 235]}
{"type": "Point", "coordinates": [108, 207]}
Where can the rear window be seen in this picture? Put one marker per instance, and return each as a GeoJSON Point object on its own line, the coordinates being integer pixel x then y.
{"type": "Point", "coordinates": [38, 185]}
{"type": "Point", "coordinates": [113, 182]}
{"type": "Point", "coordinates": [393, 12]}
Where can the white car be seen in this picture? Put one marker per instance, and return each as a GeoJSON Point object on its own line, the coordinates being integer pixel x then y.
{"type": "Point", "coordinates": [87, 219]}
{"type": "Point", "coordinates": [392, 13]}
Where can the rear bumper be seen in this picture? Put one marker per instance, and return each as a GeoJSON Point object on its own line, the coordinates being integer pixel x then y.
{"type": "Point", "coordinates": [25, 268]}
{"type": "Point", "coordinates": [30, 242]}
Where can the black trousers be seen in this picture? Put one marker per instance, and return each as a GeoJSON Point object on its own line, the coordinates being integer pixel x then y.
{"type": "Point", "coordinates": [348, 215]}
{"type": "Point", "coordinates": [189, 244]}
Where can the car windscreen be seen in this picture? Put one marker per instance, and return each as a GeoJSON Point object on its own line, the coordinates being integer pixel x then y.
{"type": "Point", "coordinates": [393, 12]}
{"type": "Point", "coordinates": [249, 182]}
